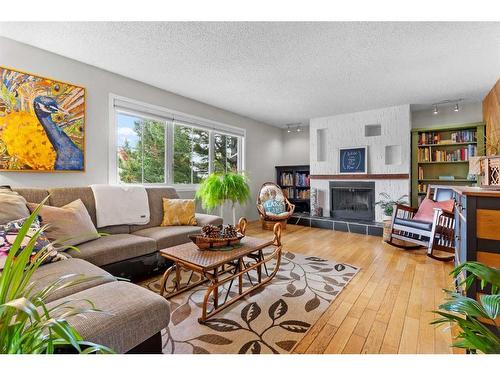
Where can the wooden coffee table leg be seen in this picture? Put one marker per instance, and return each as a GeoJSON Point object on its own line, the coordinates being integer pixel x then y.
{"type": "Point", "coordinates": [164, 278]}
{"type": "Point", "coordinates": [240, 277]}
{"type": "Point", "coordinates": [215, 282]}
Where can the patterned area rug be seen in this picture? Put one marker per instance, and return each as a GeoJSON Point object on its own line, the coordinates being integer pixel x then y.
{"type": "Point", "coordinates": [272, 319]}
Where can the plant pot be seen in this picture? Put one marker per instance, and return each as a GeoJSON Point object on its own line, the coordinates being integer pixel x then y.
{"type": "Point", "coordinates": [386, 236]}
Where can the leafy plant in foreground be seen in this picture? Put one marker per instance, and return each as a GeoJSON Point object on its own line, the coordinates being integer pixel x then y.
{"type": "Point", "coordinates": [471, 316]}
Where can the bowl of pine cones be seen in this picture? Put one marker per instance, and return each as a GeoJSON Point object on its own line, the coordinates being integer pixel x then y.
{"type": "Point", "coordinates": [213, 236]}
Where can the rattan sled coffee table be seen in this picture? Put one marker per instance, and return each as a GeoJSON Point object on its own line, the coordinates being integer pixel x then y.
{"type": "Point", "coordinates": [220, 267]}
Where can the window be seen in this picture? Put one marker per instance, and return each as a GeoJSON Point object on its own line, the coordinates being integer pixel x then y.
{"type": "Point", "coordinates": [141, 149]}
{"type": "Point", "coordinates": [191, 152]}
{"type": "Point", "coordinates": [225, 153]}
{"type": "Point", "coordinates": [154, 146]}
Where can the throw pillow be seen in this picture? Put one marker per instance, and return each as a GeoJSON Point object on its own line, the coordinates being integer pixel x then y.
{"type": "Point", "coordinates": [178, 212]}
{"type": "Point", "coordinates": [69, 225]}
{"type": "Point", "coordinates": [12, 206]}
{"type": "Point", "coordinates": [9, 232]}
{"type": "Point", "coordinates": [426, 210]}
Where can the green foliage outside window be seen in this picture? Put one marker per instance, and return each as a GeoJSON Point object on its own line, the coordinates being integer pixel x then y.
{"type": "Point", "coordinates": [145, 162]}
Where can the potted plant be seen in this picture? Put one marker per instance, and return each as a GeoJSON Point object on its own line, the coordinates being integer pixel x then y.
{"type": "Point", "coordinates": [219, 188]}
{"type": "Point", "coordinates": [26, 324]}
{"type": "Point", "coordinates": [386, 203]}
{"type": "Point", "coordinates": [476, 320]}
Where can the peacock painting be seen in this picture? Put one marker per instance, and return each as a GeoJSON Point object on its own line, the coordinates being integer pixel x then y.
{"type": "Point", "coordinates": [42, 123]}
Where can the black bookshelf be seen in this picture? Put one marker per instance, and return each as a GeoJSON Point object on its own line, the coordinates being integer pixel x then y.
{"type": "Point", "coordinates": [295, 182]}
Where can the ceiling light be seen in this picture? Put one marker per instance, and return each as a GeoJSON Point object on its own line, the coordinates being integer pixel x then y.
{"type": "Point", "coordinates": [456, 108]}
{"type": "Point", "coordinates": [288, 129]}
{"type": "Point", "coordinates": [299, 129]}
{"type": "Point", "coordinates": [435, 110]}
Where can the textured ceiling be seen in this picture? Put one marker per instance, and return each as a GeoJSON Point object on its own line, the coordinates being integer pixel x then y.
{"type": "Point", "coordinates": [280, 73]}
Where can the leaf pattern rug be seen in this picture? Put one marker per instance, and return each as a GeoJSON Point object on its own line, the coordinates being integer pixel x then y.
{"type": "Point", "coordinates": [272, 319]}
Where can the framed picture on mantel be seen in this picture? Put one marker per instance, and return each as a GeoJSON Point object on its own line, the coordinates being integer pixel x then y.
{"type": "Point", "coordinates": [353, 160]}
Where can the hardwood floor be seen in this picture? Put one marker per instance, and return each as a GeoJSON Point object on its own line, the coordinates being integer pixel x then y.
{"type": "Point", "coordinates": [387, 306]}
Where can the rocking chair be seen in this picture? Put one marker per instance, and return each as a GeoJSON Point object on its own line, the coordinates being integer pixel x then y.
{"type": "Point", "coordinates": [273, 206]}
{"type": "Point", "coordinates": [437, 235]}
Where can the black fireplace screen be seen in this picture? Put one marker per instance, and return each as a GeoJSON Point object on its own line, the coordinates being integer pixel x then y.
{"type": "Point", "coordinates": [352, 200]}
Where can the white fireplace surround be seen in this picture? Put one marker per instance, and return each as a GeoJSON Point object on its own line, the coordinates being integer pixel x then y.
{"type": "Point", "coordinates": [385, 132]}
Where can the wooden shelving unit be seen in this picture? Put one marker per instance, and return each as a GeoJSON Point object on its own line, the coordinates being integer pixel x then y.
{"type": "Point", "coordinates": [432, 169]}
{"type": "Point", "coordinates": [295, 182]}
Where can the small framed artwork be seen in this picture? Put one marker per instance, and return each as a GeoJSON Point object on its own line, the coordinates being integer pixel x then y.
{"type": "Point", "coordinates": [42, 124]}
{"type": "Point", "coordinates": [353, 160]}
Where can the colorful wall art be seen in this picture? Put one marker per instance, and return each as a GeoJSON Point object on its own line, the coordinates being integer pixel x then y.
{"type": "Point", "coordinates": [42, 123]}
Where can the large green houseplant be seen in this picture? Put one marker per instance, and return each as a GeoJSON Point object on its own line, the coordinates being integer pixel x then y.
{"type": "Point", "coordinates": [478, 330]}
{"type": "Point", "coordinates": [219, 188]}
{"type": "Point", "coordinates": [27, 325]}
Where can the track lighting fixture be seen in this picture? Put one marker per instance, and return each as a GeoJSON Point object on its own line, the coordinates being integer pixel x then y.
{"type": "Point", "coordinates": [435, 110]}
{"type": "Point", "coordinates": [456, 108]}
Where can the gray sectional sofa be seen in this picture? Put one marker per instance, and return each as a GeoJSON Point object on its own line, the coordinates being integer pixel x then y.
{"type": "Point", "coordinates": [134, 316]}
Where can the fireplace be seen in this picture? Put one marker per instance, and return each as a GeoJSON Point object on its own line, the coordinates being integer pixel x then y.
{"type": "Point", "coordinates": [352, 200]}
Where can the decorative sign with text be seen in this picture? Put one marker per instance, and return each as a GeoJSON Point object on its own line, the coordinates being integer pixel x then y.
{"type": "Point", "coordinates": [353, 160]}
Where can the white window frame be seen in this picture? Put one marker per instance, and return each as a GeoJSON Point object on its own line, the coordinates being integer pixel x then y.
{"type": "Point", "coordinates": [146, 110]}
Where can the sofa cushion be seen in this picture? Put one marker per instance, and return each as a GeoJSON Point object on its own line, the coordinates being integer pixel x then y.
{"type": "Point", "coordinates": [62, 196]}
{"type": "Point", "coordinates": [114, 248]}
{"type": "Point", "coordinates": [178, 212]}
{"type": "Point", "coordinates": [130, 315]}
{"type": "Point", "coordinates": [168, 236]}
{"type": "Point", "coordinates": [49, 273]}
{"type": "Point", "coordinates": [69, 225]}
{"type": "Point", "coordinates": [204, 219]}
{"type": "Point", "coordinates": [155, 199]}
{"type": "Point", "coordinates": [34, 195]}
{"type": "Point", "coordinates": [9, 233]}
{"type": "Point", "coordinates": [12, 206]}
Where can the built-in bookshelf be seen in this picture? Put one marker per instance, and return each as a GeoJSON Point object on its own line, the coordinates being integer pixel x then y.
{"type": "Point", "coordinates": [440, 156]}
{"type": "Point", "coordinates": [295, 182]}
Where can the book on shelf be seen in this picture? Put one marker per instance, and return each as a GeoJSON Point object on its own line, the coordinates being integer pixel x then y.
{"type": "Point", "coordinates": [422, 188]}
{"type": "Point", "coordinates": [303, 194]}
{"type": "Point", "coordinates": [289, 192]}
{"type": "Point", "coordinates": [427, 154]}
{"type": "Point", "coordinates": [286, 179]}
{"type": "Point", "coordinates": [302, 179]}
{"type": "Point", "coordinates": [435, 138]}
{"type": "Point", "coordinates": [420, 173]}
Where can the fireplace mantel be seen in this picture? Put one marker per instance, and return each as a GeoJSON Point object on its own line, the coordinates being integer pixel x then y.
{"type": "Point", "coordinates": [368, 176]}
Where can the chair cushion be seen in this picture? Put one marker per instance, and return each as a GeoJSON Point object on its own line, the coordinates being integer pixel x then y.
{"type": "Point", "coordinates": [49, 273]}
{"type": "Point", "coordinates": [426, 209]}
{"type": "Point", "coordinates": [168, 236]}
{"type": "Point", "coordinates": [417, 224]}
{"type": "Point", "coordinates": [272, 199]}
{"type": "Point", "coordinates": [114, 248]}
{"type": "Point", "coordinates": [204, 219]}
{"type": "Point", "coordinates": [69, 225]}
{"type": "Point", "coordinates": [178, 212]}
{"type": "Point", "coordinates": [130, 315]}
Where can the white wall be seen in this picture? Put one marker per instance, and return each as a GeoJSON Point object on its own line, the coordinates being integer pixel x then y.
{"type": "Point", "coordinates": [469, 112]}
{"type": "Point", "coordinates": [296, 147]}
{"type": "Point", "coordinates": [263, 142]}
{"type": "Point", "coordinates": [348, 130]}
